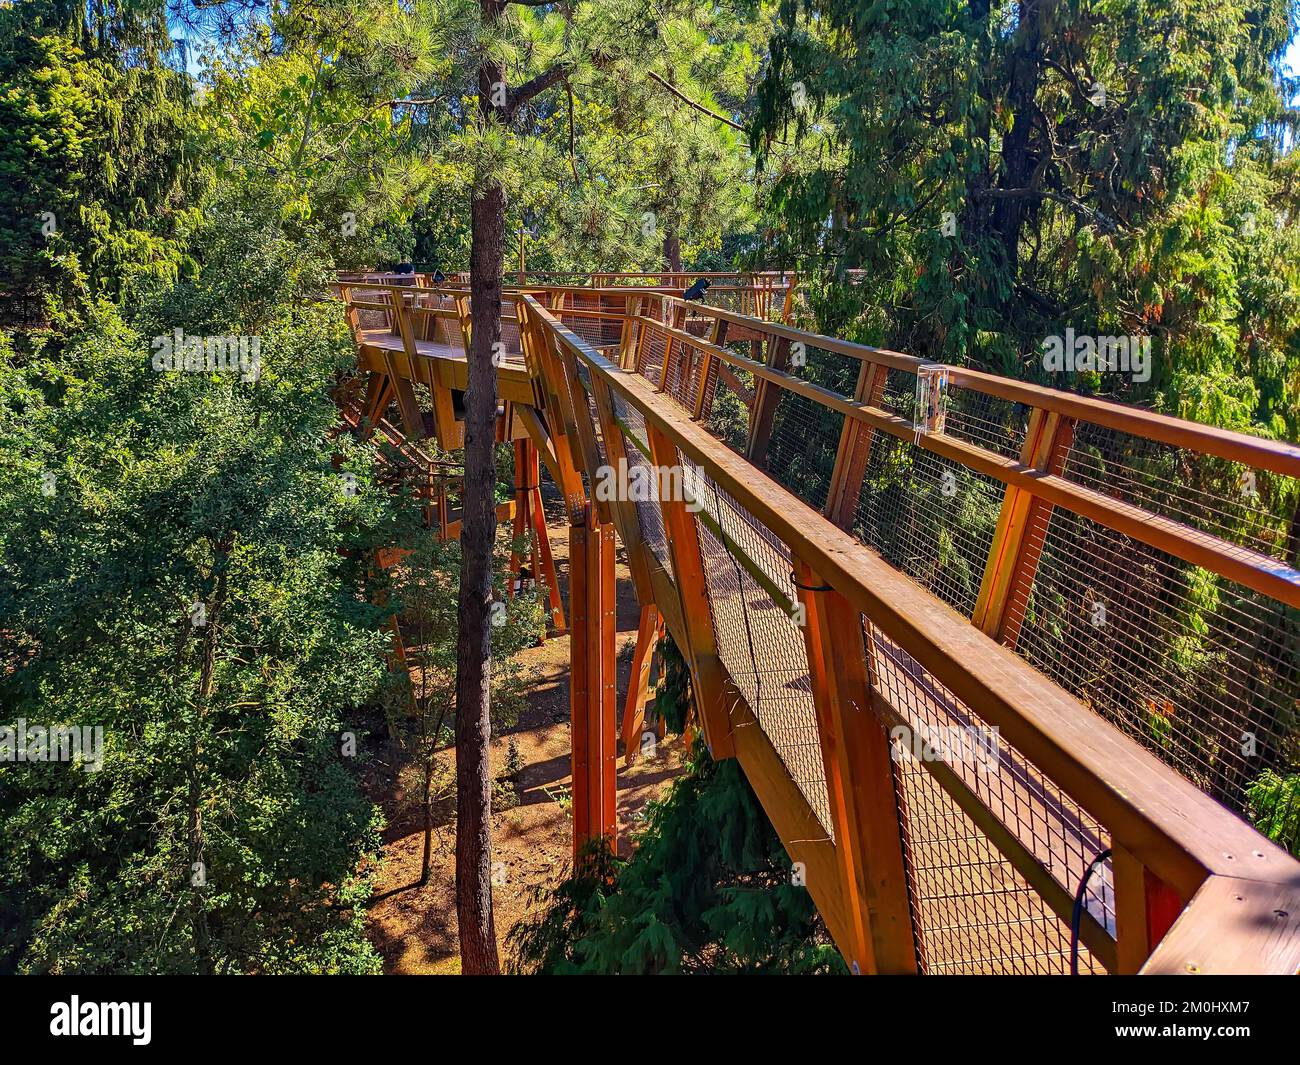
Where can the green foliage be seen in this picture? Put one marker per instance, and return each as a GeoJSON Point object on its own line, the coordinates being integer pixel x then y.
{"type": "Point", "coordinates": [709, 887]}
{"type": "Point", "coordinates": [1275, 808]}
{"type": "Point", "coordinates": [225, 831]}
{"type": "Point", "coordinates": [93, 174]}
{"type": "Point", "coordinates": [1001, 171]}
{"type": "Point", "coordinates": [707, 890]}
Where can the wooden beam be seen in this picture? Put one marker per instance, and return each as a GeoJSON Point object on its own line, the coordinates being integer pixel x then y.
{"type": "Point", "coordinates": [592, 682]}
{"type": "Point", "coordinates": [638, 681]}
{"type": "Point", "coordinates": [859, 782]}
{"type": "Point", "coordinates": [692, 588]}
{"type": "Point", "coordinates": [1018, 541]}
{"type": "Point", "coordinates": [855, 450]}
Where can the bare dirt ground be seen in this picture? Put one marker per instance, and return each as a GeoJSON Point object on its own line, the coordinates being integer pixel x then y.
{"type": "Point", "coordinates": [413, 927]}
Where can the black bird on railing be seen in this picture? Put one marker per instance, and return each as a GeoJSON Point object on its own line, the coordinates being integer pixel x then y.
{"type": "Point", "coordinates": [439, 277]}
{"type": "Point", "coordinates": [697, 290]}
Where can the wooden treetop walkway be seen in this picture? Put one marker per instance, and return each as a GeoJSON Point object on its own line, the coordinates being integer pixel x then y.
{"type": "Point", "coordinates": [1094, 607]}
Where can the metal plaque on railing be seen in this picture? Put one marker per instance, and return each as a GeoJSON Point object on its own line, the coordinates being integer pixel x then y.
{"type": "Point", "coordinates": [931, 398]}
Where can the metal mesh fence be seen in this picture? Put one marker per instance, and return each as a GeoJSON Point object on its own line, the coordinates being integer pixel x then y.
{"type": "Point", "coordinates": [751, 596]}
{"type": "Point", "coordinates": [1204, 673]}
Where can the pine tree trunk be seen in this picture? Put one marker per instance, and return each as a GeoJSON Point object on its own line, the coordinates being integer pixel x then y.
{"type": "Point", "coordinates": [478, 945]}
{"type": "Point", "coordinates": [673, 253]}
{"type": "Point", "coordinates": [426, 864]}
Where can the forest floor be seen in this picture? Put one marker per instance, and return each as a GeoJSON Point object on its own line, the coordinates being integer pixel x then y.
{"type": "Point", "coordinates": [414, 927]}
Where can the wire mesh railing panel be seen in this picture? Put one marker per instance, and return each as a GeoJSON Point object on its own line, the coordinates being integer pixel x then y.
{"type": "Point", "coordinates": [727, 413]}
{"type": "Point", "coordinates": [995, 424]}
{"type": "Point", "coordinates": [589, 329]}
{"type": "Point", "coordinates": [651, 347]}
{"type": "Point", "coordinates": [801, 452]}
{"type": "Point", "coordinates": [929, 517]}
{"type": "Point", "coordinates": [1048, 824]}
{"type": "Point", "coordinates": [682, 379]}
{"type": "Point", "coordinates": [1255, 509]}
{"type": "Point", "coordinates": [973, 911]}
{"type": "Point", "coordinates": [1202, 672]}
{"type": "Point", "coordinates": [651, 518]}
{"type": "Point", "coordinates": [751, 594]}
{"type": "Point", "coordinates": [369, 318]}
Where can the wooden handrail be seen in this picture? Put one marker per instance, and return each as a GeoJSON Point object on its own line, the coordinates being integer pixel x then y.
{"type": "Point", "coordinates": [1256, 451]}
{"type": "Point", "coordinates": [1247, 567]}
{"type": "Point", "coordinates": [1152, 813]}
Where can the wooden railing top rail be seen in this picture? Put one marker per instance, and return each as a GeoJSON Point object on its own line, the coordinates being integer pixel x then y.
{"type": "Point", "coordinates": [1260, 452]}
{"type": "Point", "coordinates": [1248, 567]}
{"type": "Point", "coordinates": [1151, 811]}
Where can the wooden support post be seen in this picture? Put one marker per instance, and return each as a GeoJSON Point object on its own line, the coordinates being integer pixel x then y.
{"type": "Point", "coordinates": [379, 393]}
{"type": "Point", "coordinates": [638, 681]}
{"type": "Point", "coordinates": [548, 571]}
{"type": "Point", "coordinates": [717, 338]}
{"type": "Point", "coordinates": [855, 449]}
{"type": "Point", "coordinates": [766, 396]}
{"type": "Point", "coordinates": [530, 525]}
{"type": "Point", "coordinates": [412, 418]}
{"type": "Point", "coordinates": [692, 589]}
{"type": "Point", "coordinates": [679, 322]}
{"type": "Point", "coordinates": [1145, 909]}
{"type": "Point", "coordinates": [1018, 540]}
{"type": "Point", "coordinates": [859, 781]}
{"type": "Point", "coordinates": [522, 526]}
{"type": "Point", "coordinates": [592, 681]}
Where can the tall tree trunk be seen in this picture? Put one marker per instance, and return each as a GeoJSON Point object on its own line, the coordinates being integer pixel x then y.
{"type": "Point", "coordinates": [199, 932]}
{"type": "Point", "coordinates": [1018, 160]}
{"type": "Point", "coordinates": [478, 944]}
{"type": "Point", "coordinates": [673, 253]}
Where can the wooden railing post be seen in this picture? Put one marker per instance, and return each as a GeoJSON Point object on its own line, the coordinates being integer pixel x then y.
{"type": "Point", "coordinates": [1018, 542]}
{"type": "Point", "coordinates": [592, 681]}
{"type": "Point", "coordinates": [766, 396]}
{"type": "Point", "coordinates": [717, 338]}
{"type": "Point", "coordinates": [692, 588]}
{"type": "Point", "coordinates": [859, 781]}
{"type": "Point", "coordinates": [855, 449]}
{"type": "Point", "coordinates": [1145, 909]}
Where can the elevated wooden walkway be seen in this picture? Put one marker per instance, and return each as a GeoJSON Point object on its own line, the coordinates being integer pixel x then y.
{"type": "Point", "coordinates": [993, 657]}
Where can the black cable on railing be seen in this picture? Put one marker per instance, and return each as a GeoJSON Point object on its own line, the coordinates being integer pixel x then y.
{"type": "Point", "coordinates": [1076, 915]}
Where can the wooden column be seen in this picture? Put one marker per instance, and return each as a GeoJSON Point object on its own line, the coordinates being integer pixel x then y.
{"type": "Point", "coordinates": [859, 782]}
{"type": "Point", "coordinates": [767, 395]}
{"type": "Point", "coordinates": [697, 615]}
{"type": "Point", "coordinates": [530, 529]}
{"type": "Point", "coordinates": [1145, 909]}
{"type": "Point", "coordinates": [592, 681]}
{"type": "Point", "coordinates": [407, 404]}
{"type": "Point", "coordinates": [855, 449]}
{"type": "Point", "coordinates": [1018, 541]}
{"type": "Point", "coordinates": [638, 681]}
{"type": "Point", "coordinates": [717, 338]}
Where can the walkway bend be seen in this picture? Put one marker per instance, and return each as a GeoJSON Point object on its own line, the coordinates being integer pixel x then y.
{"type": "Point", "coordinates": [967, 637]}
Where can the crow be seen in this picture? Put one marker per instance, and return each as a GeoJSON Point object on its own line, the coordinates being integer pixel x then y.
{"type": "Point", "coordinates": [439, 277]}
{"type": "Point", "coordinates": [697, 290]}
